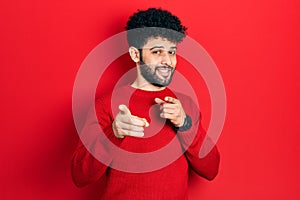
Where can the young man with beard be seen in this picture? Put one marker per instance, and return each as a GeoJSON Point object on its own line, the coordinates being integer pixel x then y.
{"type": "Point", "coordinates": [157, 123]}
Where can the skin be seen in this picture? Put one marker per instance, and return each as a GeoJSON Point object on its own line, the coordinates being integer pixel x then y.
{"type": "Point", "coordinates": [158, 53]}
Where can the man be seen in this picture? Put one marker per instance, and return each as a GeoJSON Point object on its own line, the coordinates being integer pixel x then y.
{"type": "Point", "coordinates": [153, 36]}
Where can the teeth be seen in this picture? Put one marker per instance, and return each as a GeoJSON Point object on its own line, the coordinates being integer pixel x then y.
{"type": "Point", "coordinates": [163, 70]}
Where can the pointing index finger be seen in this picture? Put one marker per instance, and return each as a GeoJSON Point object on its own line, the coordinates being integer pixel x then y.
{"type": "Point", "coordinates": [137, 121]}
{"type": "Point", "coordinates": [171, 99]}
{"type": "Point", "coordinates": [159, 101]}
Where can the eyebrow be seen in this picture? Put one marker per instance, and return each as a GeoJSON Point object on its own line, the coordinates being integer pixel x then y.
{"type": "Point", "coordinates": [161, 47]}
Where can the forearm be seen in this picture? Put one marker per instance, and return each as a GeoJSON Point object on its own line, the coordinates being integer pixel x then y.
{"type": "Point", "coordinates": [207, 166]}
{"type": "Point", "coordinates": [94, 153]}
{"type": "Point", "coordinates": [85, 167]}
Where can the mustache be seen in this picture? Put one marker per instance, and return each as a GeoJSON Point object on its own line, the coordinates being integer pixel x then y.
{"type": "Point", "coordinates": [164, 67]}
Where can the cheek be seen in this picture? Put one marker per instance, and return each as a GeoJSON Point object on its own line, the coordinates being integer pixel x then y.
{"type": "Point", "coordinates": [174, 61]}
{"type": "Point", "coordinates": [148, 59]}
{"type": "Point", "coordinates": [154, 62]}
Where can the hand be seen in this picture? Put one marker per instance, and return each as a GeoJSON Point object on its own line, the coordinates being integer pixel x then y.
{"type": "Point", "coordinates": [126, 124]}
{"type": "Point", "coordinates": [172, 109]}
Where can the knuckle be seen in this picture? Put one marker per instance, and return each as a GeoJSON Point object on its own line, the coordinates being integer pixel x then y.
{"type": "Point", "coordinates": [129, 119]}
{"type": "Point", "coordinates": [119, 134]}
{"type": "Point", "coordinates": [117, 124]}
{"type": "Point", "coordinates": [129, 133]}
{"type": "Point", "coordinates": [130, 126]}
{"type": "Point", "coordinates": [125, 133]}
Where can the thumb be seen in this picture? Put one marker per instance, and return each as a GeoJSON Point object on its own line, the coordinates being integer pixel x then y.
{"type": "Point", "coordinates": [124, 109]}
{"type": "Point", "coordinates": [159, 101]}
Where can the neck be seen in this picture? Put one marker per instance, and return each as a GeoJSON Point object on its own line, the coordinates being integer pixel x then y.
{"type": "Point", "coordinates": [142, 84]}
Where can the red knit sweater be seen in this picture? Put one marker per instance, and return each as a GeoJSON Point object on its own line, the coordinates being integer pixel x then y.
{"type": "Point", "coordinates": [134, 180]}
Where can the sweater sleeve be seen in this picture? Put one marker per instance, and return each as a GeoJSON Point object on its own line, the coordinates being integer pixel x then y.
{"type": "Point", "coordinates": [94, 146]}
{"type": "Point", "coordinates": [192, 141]}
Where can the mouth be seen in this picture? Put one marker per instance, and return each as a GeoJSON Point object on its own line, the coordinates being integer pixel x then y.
{"type": "Point", "coordinates": [165, 72]}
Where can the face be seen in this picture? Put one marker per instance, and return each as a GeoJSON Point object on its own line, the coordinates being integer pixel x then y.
{"type": "Point", "coordinates": [158, 61]}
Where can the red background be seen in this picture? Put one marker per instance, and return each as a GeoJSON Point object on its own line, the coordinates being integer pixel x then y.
{"type": "Point", "coordinates": [255, 45]}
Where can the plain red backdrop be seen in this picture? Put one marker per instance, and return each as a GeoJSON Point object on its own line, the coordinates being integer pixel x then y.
{"type": "Point", "coordinates": [255, 44]}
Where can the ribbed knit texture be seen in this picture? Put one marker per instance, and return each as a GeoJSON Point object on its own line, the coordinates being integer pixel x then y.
{"type": "Point", "coordinates": [170, 181]}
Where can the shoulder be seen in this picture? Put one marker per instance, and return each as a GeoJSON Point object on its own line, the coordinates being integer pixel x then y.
{"type": "Point", "coordinates": [185, 99]}
{"type": "Point", "coordinates": [108, 95]}
{"type": "Point", "coordinates": [110, 100]}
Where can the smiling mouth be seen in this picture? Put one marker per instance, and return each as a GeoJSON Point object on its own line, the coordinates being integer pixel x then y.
{"type": "Point", "coordinates": [164, 71]}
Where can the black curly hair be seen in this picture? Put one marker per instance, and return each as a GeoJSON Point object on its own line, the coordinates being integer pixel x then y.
{"type": "Point", "coordinates": [153, 22]}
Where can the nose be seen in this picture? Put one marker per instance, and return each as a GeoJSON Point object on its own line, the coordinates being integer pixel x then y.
{"type": "Point", "coordinates": [166, 60]}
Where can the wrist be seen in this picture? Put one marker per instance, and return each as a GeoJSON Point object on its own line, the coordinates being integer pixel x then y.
{"type": "Point", "coordinates": [187, 124]}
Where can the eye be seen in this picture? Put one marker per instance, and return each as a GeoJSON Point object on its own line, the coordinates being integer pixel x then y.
{"type": "Point", "coordinates": [172, 52]}
{"type": "Point", "coordinates": [156, 52]}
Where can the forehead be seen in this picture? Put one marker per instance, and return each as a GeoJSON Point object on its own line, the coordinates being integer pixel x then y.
{"type": "Point", "coordinates": [159, 41]}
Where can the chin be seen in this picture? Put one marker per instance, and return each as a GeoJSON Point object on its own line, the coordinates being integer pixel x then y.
{"type": "Point", "coordinates": [158, 85]}
{"type": "Point", "coordinates": [161, 84]}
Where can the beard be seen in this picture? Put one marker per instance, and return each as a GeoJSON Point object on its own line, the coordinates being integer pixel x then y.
{"type": "Point", "coordinates": [159, 76]}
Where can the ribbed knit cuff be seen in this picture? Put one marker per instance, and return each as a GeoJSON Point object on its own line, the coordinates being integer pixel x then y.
{"type": "Point", "coordinates": [186, 138]}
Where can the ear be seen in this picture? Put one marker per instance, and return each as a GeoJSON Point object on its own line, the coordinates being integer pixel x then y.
{"type": "Point", "coordinates": [134, 54]}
